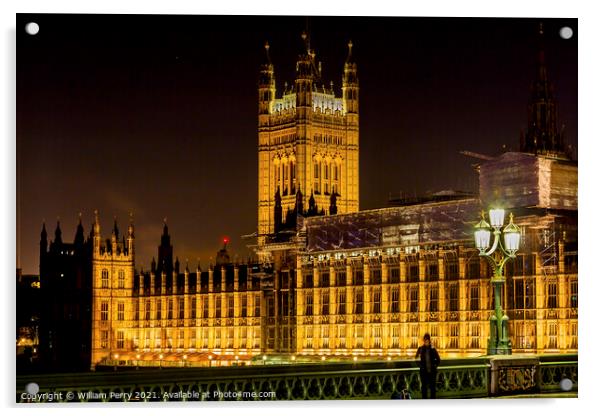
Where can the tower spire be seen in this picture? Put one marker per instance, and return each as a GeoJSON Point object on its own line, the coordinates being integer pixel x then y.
{"type": "Point", "coordinates": [58, 239]}
{"type": "Point", "coordinates": [332, 210]}
{"type": "Point", "coordinates": [43, 239]}
{"type": "Point", "coordinates": [79, 234]}
{"type": "Point", "coordinates": [543, 135]}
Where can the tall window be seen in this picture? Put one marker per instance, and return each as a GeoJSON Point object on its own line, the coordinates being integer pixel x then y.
{"type": "Point", "coordinates": [432, 271]}
{"type": "Point", "coordinates": [475, 335]}
{"type": "Point", "coordinates": [121, 279]}
{"type": "Point", "coordinates": [104, 280]}
{"type": "Point", "coordinates": [552, 335]}
{"type": "Point", "coordinates": [218, 306]}
{"type": "Point", "coordinates": [243, 308]}
{"type": "Point", "coordinates": [170, 309]}
{"type": "Point", "coordinates": [433, 303]}
{"type": "Point", "coordinates": [230, 306]}
{"type": "Point", "coordinates": [206, 307]}
{"type": "Point", "coordinates": [395, 299]}
{"type": "Point", "coordinates": [325, 335]}
{"type": "Point", "coordinates": [104, 311]}
{"type": "Point", "coordinates": [474, 298]}
{"type": "Point", "coordinates": [309, 280]}
{"type": "Point", "coordinates": [104, 339]}
{"type": "Point", "coordinates": [325, 279]}
{"type": "Point", "coordinates": [359, 336]}
{"type": "Point", "coordinates": [474, 268]}
{"type": "Point", "coordinates": [192, 341]}
{"type": "Point", "coordinates": [325, 178]}
{"type": "Point", "coordinates": [519, 293]}
{"type": "Point", "coordinates": [413, 303]}
{"type": "Point", "coordinates": [325, 303]}
{"type": "Point", "coordinates": [309, 305]}
{"type": "Point", "coordinates": [257, 306]}
{"type": "Point", "coordinates": [529, 293]}
{"type": "Point", "coordinates": [181, 338]}
{"type": "Point", "coordinates": [394, 275]}
{"type": "Point", "coordinates": [341, 336]}
{"type": "Point", "coordinates": [309, 338]}
{"type": "Point", "coordinates": [341, 278]}
{"type": "Point", "coordinates": [413, 272]}
{"type": "Point", "coordinates": [159, 309]}
{"type": "Point", "coordinates": [453, 336]}
{"type": "Point", "coordinates": [376, 300]}
{"type": "Point", "coordinates": [358, 277]}
{"type": "Point", "coordinates": [120, 311]}
{"type": "Point", "coordinates": [574, 287]}
{"type": "Point", "coordinates": [316, 178]}
{"type": "Point", "coordinates": [359, 301]}
{"type": "Point", "coordinates": [147, 310]}
{"type": "Point", "coordinates": [395, 336]}
{"type": "Point", "coordinates": [452, 270]}
{"type": "Point", "coordinates": [193, 308]}
{"type": "Point", "coordinates": [376, 336]}
{"type": "Point", "coordinates": [552, 292]}
{"type": "Point", "coordinates": [120, 340]}
{"type": "Point", "coordinates": [452, 293]}
{"type": "Point", "coordinates": [285, 179]}
{"type": "Point", "coordinates": [342, 302]}
{"type": "Point", "coordinates": [375, 276]}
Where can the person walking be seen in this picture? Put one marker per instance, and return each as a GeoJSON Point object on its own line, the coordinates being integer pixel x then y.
{"type": "Point", "coordinates": [429, 361]}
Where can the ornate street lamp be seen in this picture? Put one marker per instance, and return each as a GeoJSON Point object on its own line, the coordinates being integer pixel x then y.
{"type": "Point", "coordinates": [497, 254]}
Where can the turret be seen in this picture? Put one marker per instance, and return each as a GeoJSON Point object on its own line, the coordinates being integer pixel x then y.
{"type": "Point", "coordinates": [58, 239]}
{"type": "Point", "coordinates": [43, 243]}
{"type": "Point", "coordinates": [114, 236]}
{"type": "Point", "coordinates": [350, 84]}
{"type": "Point", "coordinates": [312, 209]}
{"type": "Point", "coordinates": [306, 74]}
{"type": "Point", "coordinates": [96, 234]}
{"type": "Point", "coordinates": [542, 134]}
{"type": "Point", "coordinates": [267, 84]}
{"type": "Point", "coordinates": [130, 238]}
{"type": "Point", "coordinates": [299, 202]}
{"type": "Point", "coordinates": [332, 210]}
{"type": "Point", "coordinates": [165, 251]}
{"type": "Point", "coordinates": [79, 234]}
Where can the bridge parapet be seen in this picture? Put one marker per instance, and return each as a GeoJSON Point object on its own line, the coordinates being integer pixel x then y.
{"type": "Point", "coordinates": [458, 378]}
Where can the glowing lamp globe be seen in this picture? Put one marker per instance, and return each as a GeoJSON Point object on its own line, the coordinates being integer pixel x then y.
{"type": "Point", "coordinates": [482, 235]}
{"type": "Point", "coordinates": [511, 236]}
{"type": "Point", "coordinates": [496, 217]}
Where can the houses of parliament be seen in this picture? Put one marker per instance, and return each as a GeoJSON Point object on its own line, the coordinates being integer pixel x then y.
{"type": "Point", "coordinates": [330, 281]}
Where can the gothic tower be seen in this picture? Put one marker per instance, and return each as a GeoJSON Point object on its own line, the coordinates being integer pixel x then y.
{"type": "Point", "coordinates": [308, 139]}
{"type": "Point", "coordinates": [112, 285]}
{"type": "Point", "coordinates": [543, 134]}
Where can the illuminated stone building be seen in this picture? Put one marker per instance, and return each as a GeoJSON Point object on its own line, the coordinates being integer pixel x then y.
{"type": "Point", "coordinates": [308, 138]}
{"type": "Point", "coordinates": [373, 282]}
{"type": "Point", "coordinates": [334, 281]}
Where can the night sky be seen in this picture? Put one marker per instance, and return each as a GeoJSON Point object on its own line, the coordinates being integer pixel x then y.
{"type": "Point", "coordinates": [157, 115]}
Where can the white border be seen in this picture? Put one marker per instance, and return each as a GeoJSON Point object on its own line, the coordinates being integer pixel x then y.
{"type": "Point", "coordinates": [590, 151]}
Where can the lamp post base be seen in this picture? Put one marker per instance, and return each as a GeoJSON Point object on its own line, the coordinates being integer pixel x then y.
{"type": "Point", "coordinates": [500, 350]}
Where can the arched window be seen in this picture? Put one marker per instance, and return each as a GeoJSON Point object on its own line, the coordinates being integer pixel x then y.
{"type": "Point", "coordinates": [325, 184]}
{"type": "Point", "coordinates": [104, 280]}
{"type": "Point", "coordinates": [121, 279]}
{"type": "Point", "coordinates": [317, 177]}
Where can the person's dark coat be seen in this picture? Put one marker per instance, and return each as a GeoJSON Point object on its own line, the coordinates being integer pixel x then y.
{"type": "Point", "coordinates": [427, 353]}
